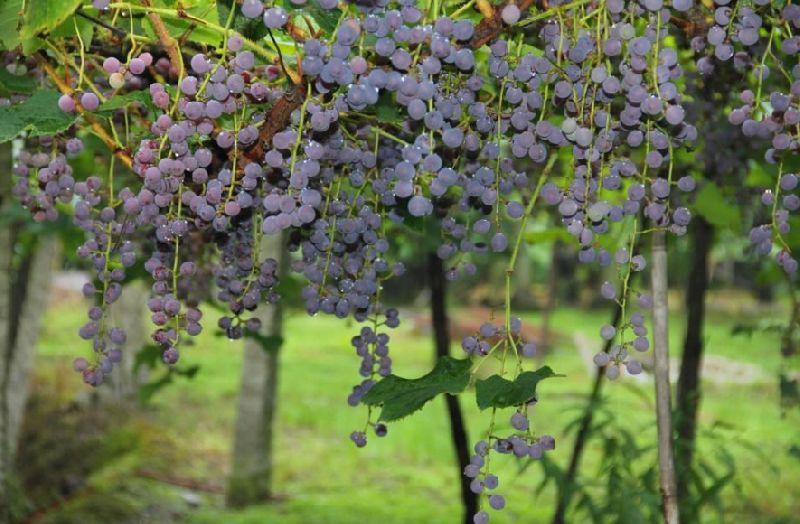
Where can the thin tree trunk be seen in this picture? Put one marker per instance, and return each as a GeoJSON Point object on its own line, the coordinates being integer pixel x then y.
{"type": "Point", "coordinates": [552, 293]}
{"type": "Point", "coordinates": [6, 469]}
{"type": "Point", "coordinates": [251, 477]}
{"type": "Point", "coordinates": [6, 340]}
{"type": "Point", "coordinates": [441, 336]}
{"type": "Point", "coordinates": [24, 290]}
{"type": "Point", "coordinates": [688, 391]}
{"type": "Point", "coordinates": [567, 484]}
{"type": "Point", "coordinates": [666, 463]}
{"type": "Point", "coordinates": [128, 313]}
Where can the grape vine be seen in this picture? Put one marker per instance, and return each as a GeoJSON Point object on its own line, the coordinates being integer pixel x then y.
{"type": "Point", "coordinates": [339, 124]}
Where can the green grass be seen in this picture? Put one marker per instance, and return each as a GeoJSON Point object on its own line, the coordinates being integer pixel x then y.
{"type": "Point", "coordinates": [409, 476]}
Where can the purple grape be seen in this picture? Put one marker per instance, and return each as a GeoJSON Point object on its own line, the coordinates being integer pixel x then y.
{"type": "Point", "coordinates": [66, 103]}
{"type": "Point", "coordinates": [419, 206]}
{"type": "Point", "coordinates": [89, 101]}
{"type": "Point", "coordinates": [275, 17]}
{"type": "Point", "coordinates": [111, 65]}
{"type": "Point", "coordinates": [497, 502]}
{"type": "Point", "coordinates": [252, 8]}
{"type": "Point", "coordinates": [136, 66]}
{"type": "Point", "coordinates": [510, 14]}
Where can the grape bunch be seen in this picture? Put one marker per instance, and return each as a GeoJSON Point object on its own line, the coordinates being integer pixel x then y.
{"type": "Point", "coordinates": [769, 111]}
{"type": "Point", "coordinates": [401, 114]}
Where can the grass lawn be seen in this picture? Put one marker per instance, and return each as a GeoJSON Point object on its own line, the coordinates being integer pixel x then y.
{"type": "Point", "coordinates": [409, 476]}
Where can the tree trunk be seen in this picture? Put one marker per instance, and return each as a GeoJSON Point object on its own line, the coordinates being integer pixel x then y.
{"type": "Point", "coordinates": [24, 290]}
{"type": "Point", "coordinates": [566, 486]}
{"type": "Point", "coordinates": [251, 477]}
{"type": "Point", "coordinates": [688, 391]}
{"type": "Point", "coordinates": [552, 296]}
{"type": "Point", "coordinates": [666, 463]}
{"type": "Point", "coordinates": [441, 337]}
{"type": "Point", "coordinates": [523, 282]}
{"type": "Point", "coordinates": [128, 313]}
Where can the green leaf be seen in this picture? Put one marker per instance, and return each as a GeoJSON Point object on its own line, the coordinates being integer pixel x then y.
{"type": "Point", "coordinates": [38, 115]}
{"type": "Point", "coordinates": [9, 23]}
{"type": "Point", "coordinates": [387, 109]}
{"type": "Point", "coordinates": [326, 19]}
{"type": "Point", "coordinates": [712, 205]}
{"type": "Point", "coordinates": [121, 101]}
{"type": "Point", "coordinates": [200, 9]}
{"type": "Point", "coordinates": [67, 30]}
{"type": "Point", "coordinates": [402, 396]}
{"type": "Point", "coordinates": [11, 125]}
{"type": "Point", "coordinates": [41, 114]}
{"type": "Point", "coordinates": [42, 16]}
{"type": "Point", "coordinates": [252, 28]}
{"type": "Point", "coordinates": [498, 392]}
{"type": "Point", "coordinates": [15, 84]}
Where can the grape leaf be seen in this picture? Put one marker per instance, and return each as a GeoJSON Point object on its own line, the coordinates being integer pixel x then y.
{"type": "Point", "coordinates": [498, 392]}
{"type": "Point", "coordinates": [120, 101]}
{"type": "Point", "coordinates": [387, 109]}
{"type": "Point", "coordinates": [67, 30]}
{"type": "Point", "coordinates": [186, 27]}
{"type": "Point", "coordinates": [38, 115]}
{"type": "Point", "coordinates": [252, 28]}
{"type": "Point", "coordinates": [326, 19]}
{"type": "Point", "coordinates": [9, 22]}
{"type": "Point", "coordinates": [45, 15]}
{"type": "Point", "coordinates": [402, 396]}
{"type": "Point", "coordinates": [14, 84]}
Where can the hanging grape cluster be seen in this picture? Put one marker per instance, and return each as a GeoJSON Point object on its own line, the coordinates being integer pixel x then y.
{"type": "Point", "coordinates": [473, 117]}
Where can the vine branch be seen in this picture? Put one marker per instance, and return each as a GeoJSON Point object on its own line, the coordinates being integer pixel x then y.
{"type": "Point", "coordinates": [166, 40]}
{"type": "Point", "coordinates": [95, 124]}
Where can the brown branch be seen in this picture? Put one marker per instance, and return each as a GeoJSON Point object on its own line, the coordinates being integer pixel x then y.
{"type": "Point", "coordinates": [169, 43]}
{"type": "Point", "coordinates": [275, 121]}
{"type": "Point", "coordinates": [95, 124]}
{"type": "Point", "coordinates": [485, 7]}
{"type": "Point", "coordinates": [491, 26]}
{"type": "Point", "coordinates": [298, 34]}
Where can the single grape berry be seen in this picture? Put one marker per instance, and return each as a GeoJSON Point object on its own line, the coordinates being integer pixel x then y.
{"type": "Point", "coordinates": [89, 101]}
{"type": "Point", "coordinates": [66, 104]}
{"type": "Point", "coordinates": [491, 481]}
{"type": "Point", "coordinates": [136, 66]}
{"type": "Point", "coordinates": [497, 502]}
{"type": "Point", "coordinates": [116, 80]}
{"type": "Point", "coordinates": [252, 8]}
{"type": "Point", "coordinates": [480, 517]}
{"type": "Point", "coordinates": [510, 14]}
{"type": "Point", "coordinates": [519, 421]}
{"type": "Point", "coordinates": [111, 65]}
